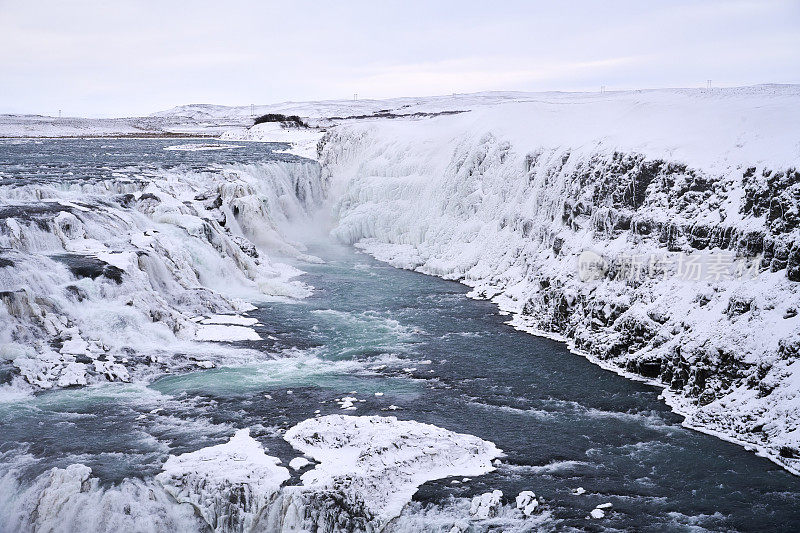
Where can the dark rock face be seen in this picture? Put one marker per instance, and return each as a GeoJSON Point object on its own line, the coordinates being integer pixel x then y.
{"type": "Point", "coordinates": [626, 192]}
{"type": "Point", "coordinates": [33, 211]}
{"type": "Point", "coordinates": [738, 306]}
{"type": "Point", "coordinates": [666, 205]}
{"type": "Point", "coordinates": [84, 266]}
{"type": "Point", "coordinates": [774, 193]}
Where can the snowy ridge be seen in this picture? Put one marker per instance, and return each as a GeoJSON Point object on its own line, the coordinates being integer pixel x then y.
{"type": "Point", "coordinates": [102, 279]}
{"type": "Point", "coordinates": [506, 198]}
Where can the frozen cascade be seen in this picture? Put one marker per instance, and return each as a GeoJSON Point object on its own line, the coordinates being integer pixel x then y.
{"type": "Point", "coordinates": [229, 483]}
{"type": "Point", "coordinates": [66, 499]}
{"type": "Point", "coordinates": [100, 279]}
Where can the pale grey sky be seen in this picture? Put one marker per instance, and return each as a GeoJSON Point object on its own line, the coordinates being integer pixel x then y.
{"type": "Point", "coordinates": [115, 58]}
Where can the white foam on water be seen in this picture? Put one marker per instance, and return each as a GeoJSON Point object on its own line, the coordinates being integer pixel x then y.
{"type": "Point", "coordinates": [199, 147]}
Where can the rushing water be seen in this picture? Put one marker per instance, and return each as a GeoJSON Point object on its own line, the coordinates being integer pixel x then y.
{"type": "Point", "coordinates": [416, 347]}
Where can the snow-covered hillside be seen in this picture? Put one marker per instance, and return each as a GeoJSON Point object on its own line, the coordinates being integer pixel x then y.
{"type": "Point", "coordinates": [507, 197]}
{"type": "Point", "coordinates": [41, 126]}
{"type": "Point", "coordinates": [213, 120]}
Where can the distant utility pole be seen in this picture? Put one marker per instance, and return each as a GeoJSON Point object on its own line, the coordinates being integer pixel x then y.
{"type": "Point", "coordinates": [252, 110]}
{"type": "Point", "coordinates": [355, 96]}
{"type": "Point", "coordinates": [59, 113]}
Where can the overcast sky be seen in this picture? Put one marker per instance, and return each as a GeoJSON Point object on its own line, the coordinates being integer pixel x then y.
{"type": "Point", "coordinates": [114, 58]}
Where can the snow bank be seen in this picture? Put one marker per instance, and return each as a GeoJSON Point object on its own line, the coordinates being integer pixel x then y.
{"type": "Point", "coordinates": [507, 197]}
{"type": "Point", "coordinates": [378, 463]}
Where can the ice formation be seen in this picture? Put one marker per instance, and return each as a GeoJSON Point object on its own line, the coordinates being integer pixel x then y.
{"type": "Point", "coordinates": [600, 511]}
{"type": "Point", "coordinates": [101, 278]}
{"type": "Point", "coordinates": [229, 484]}
{"type": "Point", "coordinates": [486, 505]}
{"type": "Point", "coordinates": [378, 463]}
{"type": "Point", "coordinates": [507, 197]}
{"type": "Point", "coordinates": [369, 468]}
{"type": "Point", "coordinates": [67, 499]}
{"type": "Point", "coordinates": [526, 502]}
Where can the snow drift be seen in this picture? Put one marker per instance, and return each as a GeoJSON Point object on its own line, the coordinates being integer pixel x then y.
{"type": "Point", "coordinates": [506, 198]}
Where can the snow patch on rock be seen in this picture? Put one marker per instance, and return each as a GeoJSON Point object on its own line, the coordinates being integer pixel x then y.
{"type": "Point", "coordinates": [486, 505]}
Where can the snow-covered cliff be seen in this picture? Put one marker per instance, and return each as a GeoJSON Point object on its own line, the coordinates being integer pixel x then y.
{"type": "Point", "coordinates": [686, 202]}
